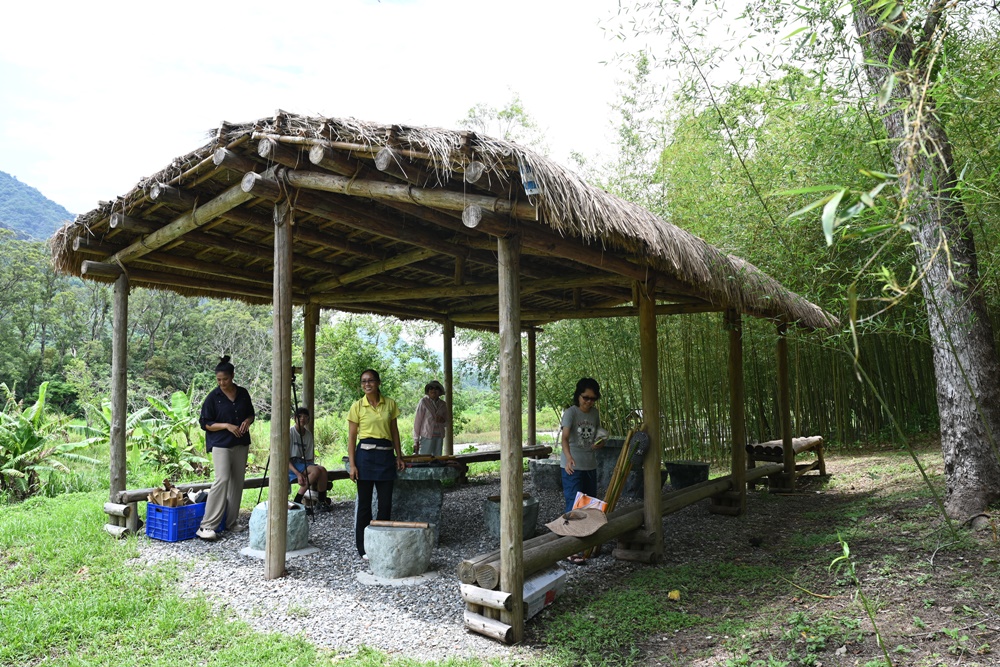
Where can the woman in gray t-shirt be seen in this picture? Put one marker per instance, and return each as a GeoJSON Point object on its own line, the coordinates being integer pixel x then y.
{"type": "Point", "coordinates": [580, 422]}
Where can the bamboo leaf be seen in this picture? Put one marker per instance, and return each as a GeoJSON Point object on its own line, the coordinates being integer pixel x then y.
{"type": "Point", "coordinates": [803, 191]}
{"type": "Point", "coordinates": [886, 91]}
{"type": "Point", "coordinates": [830, 215]}
{"type": "Point", "coordinates": [795, 32]}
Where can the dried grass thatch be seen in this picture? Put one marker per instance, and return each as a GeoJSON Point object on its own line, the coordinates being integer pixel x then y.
{"type": "Point", "coordinates": [579, 213]}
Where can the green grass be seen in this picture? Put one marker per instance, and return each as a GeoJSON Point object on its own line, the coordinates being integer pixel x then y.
{"type": "Point", "coordinates": [73, 596]}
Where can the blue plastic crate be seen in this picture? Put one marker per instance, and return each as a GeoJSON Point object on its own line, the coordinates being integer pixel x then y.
{"type": "Point", "coordinates": [173, 524]}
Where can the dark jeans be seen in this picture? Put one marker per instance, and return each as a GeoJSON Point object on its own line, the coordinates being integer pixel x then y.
{"type": "Point", "coordinates": [580, 480]}
{"type": "Point", "coordinates": [365, 488]}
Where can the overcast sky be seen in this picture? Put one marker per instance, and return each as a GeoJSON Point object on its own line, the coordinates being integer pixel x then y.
{"type": "Point", "coordinates": [96, 95]}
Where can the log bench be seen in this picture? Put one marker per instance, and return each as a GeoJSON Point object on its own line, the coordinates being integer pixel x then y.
{"type": "Point", "coordinates": [773, 451]}
{"type": "Point", "coordinates": [123, 511]}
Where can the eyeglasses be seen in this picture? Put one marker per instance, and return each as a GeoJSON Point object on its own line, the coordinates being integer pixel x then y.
{"type": "Point", "coordinates": [372, 381]}
{"type": "Point", "coordinates": [589, 399]}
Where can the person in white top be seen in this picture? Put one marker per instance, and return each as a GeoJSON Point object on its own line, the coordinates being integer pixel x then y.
{"type": "Point", "coordinates": [430, 421]}
{"type": "Point", "coordinates": [302, 467]}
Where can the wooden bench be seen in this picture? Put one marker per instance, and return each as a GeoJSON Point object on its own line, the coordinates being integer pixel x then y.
{"type": "Point", "coordinates": [123, 511]}
{"type": "Point", "coordinates": [773, 451]}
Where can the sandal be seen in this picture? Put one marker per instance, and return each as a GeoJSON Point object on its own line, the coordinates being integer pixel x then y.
{"type": "Point", "coordinates": [576, 559]}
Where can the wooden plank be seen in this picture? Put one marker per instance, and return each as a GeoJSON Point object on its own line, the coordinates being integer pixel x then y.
{"type": "Point", "coordinates": [511, 465]}
{"type": "Point", "coordinates": [649, 365]}
{"type": "Point", "coordinates": [277, 494]}
{"type": "Point", "coordinates": [737, 405]}
{"type": "Point", "coordinates": [119, 385]}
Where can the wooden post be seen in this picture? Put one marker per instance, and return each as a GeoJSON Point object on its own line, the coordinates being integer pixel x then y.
{"type": "Point", "coordinates": [281, 389]}
{"type": "Point", "coordinates": [310, 322]}
{"type": "Point", "coordinates": [511, 465]}
{"type": "Point", "coordinates": [737, 401]}
{"type": "Point", "coordinates": [784, 408]}
{"type": "Point", "coordinates": [532, 399]}
{"type": "Point", "coordinates": [645, 297]}
{"type": "Point", "coordinates": [119, 386]}
{"type": "Point", "coordinates": [449, 391]}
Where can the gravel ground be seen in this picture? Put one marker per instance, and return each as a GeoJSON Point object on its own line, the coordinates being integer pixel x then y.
{"type": "Point", "coordinates": [322, 598]}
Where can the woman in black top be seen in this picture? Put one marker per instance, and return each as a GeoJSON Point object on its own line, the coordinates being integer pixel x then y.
{"type": "Point", "coordinates": [226, 416]}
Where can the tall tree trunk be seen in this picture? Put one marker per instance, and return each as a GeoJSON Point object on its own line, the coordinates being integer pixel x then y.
{"type": "Point", "coordinates": [965, 360]}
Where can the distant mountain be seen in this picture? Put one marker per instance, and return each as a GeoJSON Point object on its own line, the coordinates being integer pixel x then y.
{"type": "Point", "coordinates": [27, 211]}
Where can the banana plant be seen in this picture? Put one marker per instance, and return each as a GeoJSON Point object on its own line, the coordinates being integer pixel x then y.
{"type": "Point", "coordinates": [33, 442]}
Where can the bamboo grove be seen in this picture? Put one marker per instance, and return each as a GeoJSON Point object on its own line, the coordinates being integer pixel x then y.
{"type": "Point", "coordinates": [829, 393]}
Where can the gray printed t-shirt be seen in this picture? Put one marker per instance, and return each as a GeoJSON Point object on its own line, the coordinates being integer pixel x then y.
{"type": "Point", "coordinates": [582, 433]}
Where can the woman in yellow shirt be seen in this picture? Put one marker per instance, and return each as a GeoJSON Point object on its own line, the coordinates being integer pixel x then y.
{"type": "Point", "coordinates": [372, 439]}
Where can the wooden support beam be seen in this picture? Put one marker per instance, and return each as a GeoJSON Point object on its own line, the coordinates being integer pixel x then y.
{"type": "Point", "coordinates": [485, 597]}
{"type": "Point", "coordinates": [588, 313]}
{"type": "Point", "coordinates": [231, 287]}
{"type": "Point", "coordinates": [382, 266]}
{"type": "Point", "coordinates": [511, 465]}
{"type": "Point", "coordinates": [272, 151]}
{"type": "Point", "coordinates": [451, 291]}
{"type": "Point", "coordinates": [389, 161]}
{"type": "Point", "coordinates": [187, 222]}
{"type": "Point", "coordinates": [119, 532]}
{"type": "Point", "coordinates": [733, 321]}
{"type": "Point", "coordinates": [223, 157]}
{"type": "Point", "coordinates": [449, 393]}
{"type": "Point", "coordinates": [532, 387]}
{"type": "Point", "coordinates": [162, 193]}
{"type": "Point", "coordinates": [277, 492]}
{"type": "Point", "coordinates": [474, 170]}
{"type": "Point", "coordinates": [383, 191]}
{"type": "Point", "coordinates": [119, 385]}
{"type": "Point", "coordinates": [784, 406]}
{"type": "Point", "coordinates": [490, 627]}
{"type": "Point", "coordinates": [649, 364]}
{"type": "Point", "coordinates": [310, 322]}
{"type": "Point", "coordinates": [321, 156]}
{"type": "Point", "coordinates": [117, 509]}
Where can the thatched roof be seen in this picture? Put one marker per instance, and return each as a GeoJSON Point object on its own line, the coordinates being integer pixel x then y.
{"type": "Point", "coordinates": [378, 215]}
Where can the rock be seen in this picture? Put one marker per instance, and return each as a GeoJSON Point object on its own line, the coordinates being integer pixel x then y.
{"type": "Point", "coordinates": [395, 553]}
{"type": "Point", "coordinates": [297, 533]}
{"type": "Point", "coordinates": [546, 474]}
{"type": "Point", "coordinates": [491, 515]}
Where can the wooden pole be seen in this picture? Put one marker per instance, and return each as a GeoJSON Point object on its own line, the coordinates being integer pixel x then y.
{"type": "Point", "coordinates": [449, 390]}
{"type": "Point", "coordinates": [737, 401]}
{"type": "Point", "coordinates": [532, 396]}
{"type": "Point", "coordinates": [187, 222]}
{"type": "Point", "coordinates": [119, 384]}
{"type": "Point", "coordinates": [511, 465]}
{"type": "Point", "coordinates": [645, 296]}
{"type": "Point", "coordinates": [310, 323]}
{"type": "Point", "coordinates": [784, 407]}
{"type": "Point", "coordinates": [281, 387]}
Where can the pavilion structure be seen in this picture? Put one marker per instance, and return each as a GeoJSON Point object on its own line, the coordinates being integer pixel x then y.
{"type": "Point", "coordinates": [422, 223]}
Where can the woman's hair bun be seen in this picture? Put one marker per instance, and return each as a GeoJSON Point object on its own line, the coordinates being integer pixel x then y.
{"type": "Point", "coordinates": [224, 359]}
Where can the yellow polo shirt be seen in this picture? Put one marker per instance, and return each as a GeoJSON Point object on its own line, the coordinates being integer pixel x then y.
{"type": "Point", "coordinates": [373, 422]}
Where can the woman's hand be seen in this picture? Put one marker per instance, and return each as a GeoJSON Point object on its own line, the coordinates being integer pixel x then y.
{"type": "Point", "coordinates": [570, 465]}
{"type": "Point", "coordinates": [234, 429]}
{"type": "Point", "coordinates": [400, 464]}
{"type": "Point", "coordinates": [416, 445]}
{"type": "Point", "coordinates": [353, 472]}
{"type": "Point", "coordinates": [245, 426]}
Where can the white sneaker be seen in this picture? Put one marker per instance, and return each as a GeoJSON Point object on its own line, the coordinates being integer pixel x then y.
{"type": "Point", "coordinates": [206, 534]}
{"type": "Point", "coordinates": [364, 557]}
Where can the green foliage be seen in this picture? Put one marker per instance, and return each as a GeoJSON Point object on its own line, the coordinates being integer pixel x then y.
{"type": "Point", "coordinates": [27, 211]}
{"type": "Point", "coordinates": [33, 450]}
{"type": "Point", "coordinates": [165, 437]}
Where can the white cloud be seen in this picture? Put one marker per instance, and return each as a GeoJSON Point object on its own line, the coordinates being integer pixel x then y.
{"type": "Point", "coordinates": [133, 85]}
